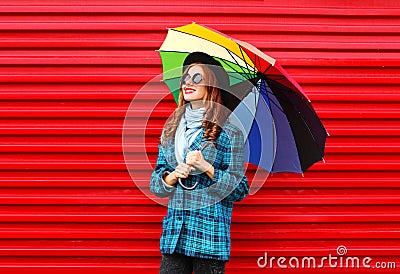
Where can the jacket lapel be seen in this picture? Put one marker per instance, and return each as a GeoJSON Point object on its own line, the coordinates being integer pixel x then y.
{"type": "Point", "coordinates": [169, 154]}
{"type": "Point", "coordinates": [198, 141]}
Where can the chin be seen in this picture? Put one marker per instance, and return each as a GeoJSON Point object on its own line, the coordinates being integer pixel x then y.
{"type": "Point", "coordinates": [190, 99]}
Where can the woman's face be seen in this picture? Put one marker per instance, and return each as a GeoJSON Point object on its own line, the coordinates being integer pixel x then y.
{"type": "Point", "coordinates": [192, 88]}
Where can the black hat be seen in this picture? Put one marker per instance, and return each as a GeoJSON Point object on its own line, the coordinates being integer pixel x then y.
{"type": "Point", "coordinates": [215, 66]}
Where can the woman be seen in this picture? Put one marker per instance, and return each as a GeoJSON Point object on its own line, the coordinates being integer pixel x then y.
{"type": "Point", "coordinates": [201, 180]}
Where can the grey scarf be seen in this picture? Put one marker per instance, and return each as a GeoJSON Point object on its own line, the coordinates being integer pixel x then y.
{"type": "Point", "coordinates": [189, 127]}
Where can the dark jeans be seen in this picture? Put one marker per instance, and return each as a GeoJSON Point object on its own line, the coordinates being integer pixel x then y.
{"type": "Point", "coordinates": [181, 264]}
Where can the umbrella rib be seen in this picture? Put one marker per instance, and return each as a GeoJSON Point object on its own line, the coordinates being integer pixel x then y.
{"type": "Point", "coordinates": [312, 136]}
{"type": "Point", "coordinates": [273, 122]}
{"type": "Point", "coordinates": [236, 77]}
{"type": "Point", "coordinates": [230, 53]}
{"type": "Point", "coordinates": [271, 101]}
{"type": "Point", "coordinates": [255, 114]}
{"type": "Point", "coordinates": [241, 51]}
{"type": "Point", "coordinates": [254, 63]}
{"type": "Point", "coordinates": [264, 72]}
{"type": "Point", "coordinates": [258, 60]}
{"type": "Point", "coordinates": [227, 63]}
{"type": "Point", "coordinates": [275, 104]}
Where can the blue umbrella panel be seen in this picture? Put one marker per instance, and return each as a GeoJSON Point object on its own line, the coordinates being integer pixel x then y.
{"type": "Point", "coordinates": [284, 134]}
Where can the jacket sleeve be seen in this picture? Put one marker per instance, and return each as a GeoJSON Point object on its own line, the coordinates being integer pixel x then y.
{"type": "Point", "coordinates": [157, 185]}
{"type": "Point", "coordinates": [229, 181]}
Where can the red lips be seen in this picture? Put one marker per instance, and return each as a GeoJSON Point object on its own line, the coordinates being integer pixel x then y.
{"type": "Point", "coordinates": [189, 90]}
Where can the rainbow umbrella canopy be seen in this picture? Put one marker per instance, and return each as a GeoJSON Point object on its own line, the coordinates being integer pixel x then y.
{"type": "Point", "coordinates": [283, 132]}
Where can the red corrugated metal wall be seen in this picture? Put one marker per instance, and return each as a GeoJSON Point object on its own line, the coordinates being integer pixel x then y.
{"type": "Point", "coordinates": [68, 71]}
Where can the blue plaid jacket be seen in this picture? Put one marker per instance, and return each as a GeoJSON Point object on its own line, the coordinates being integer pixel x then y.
{"type": "Point", "coordinates": [198, 221]}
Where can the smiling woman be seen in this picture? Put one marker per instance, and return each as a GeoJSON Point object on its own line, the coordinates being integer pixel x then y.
{"type": "Point", "coordinates": [196, 230]}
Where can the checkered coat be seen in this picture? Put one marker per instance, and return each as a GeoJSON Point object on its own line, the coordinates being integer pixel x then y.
{"type": "Point", "coordinates": [198, 221]}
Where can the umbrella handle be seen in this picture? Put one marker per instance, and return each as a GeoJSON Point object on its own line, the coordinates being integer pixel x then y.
{"type": "Point", "coordinates": [197, 182]}
{"type": "Point", "coordinates": [187, 188]}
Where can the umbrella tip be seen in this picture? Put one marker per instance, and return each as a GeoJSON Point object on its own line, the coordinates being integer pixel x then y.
{"type": "Point", "coordinates": [193, 22]}
{"type": "Point", "coordinates": [327, 133]}
{"type": "Point", "coordinates": [302, 174]}
{"type": "Point", "coordinates": [323, 160]}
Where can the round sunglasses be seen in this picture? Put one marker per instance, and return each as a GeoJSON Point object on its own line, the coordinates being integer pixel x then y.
{"type": "Point", "coordinates": [196, 78]}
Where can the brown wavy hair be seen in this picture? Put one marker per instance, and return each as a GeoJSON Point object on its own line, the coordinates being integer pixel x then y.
{"type": "Point", "coordinates": [215, 113]}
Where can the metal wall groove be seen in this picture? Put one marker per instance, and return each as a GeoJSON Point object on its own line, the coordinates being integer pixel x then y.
{"type": "Point", "coordinates": [68, 72]}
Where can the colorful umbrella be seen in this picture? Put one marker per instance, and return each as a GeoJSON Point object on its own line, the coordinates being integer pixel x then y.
{"type": "Point", "coordinates": [284, 134]}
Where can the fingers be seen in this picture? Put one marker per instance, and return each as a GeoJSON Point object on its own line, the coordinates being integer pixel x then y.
{"type": "Point", "coordinates": [194, 154]}
{"type": "Point", "coordinates": [194, 158]}
{"type": "Point", "coordinates": [182, 170]}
